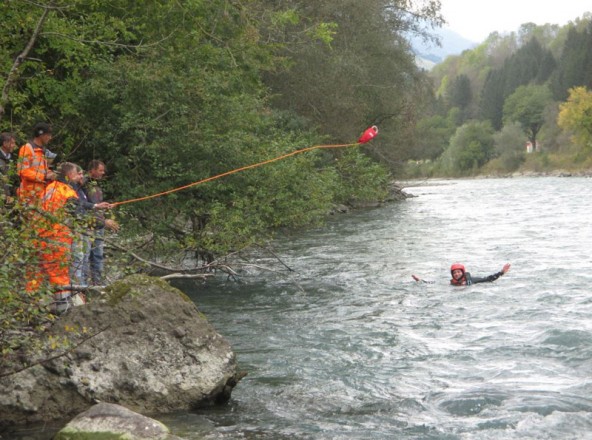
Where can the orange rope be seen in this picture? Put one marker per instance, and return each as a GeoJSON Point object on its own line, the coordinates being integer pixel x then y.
{"type": "Point", "coordinates": [293, 153]}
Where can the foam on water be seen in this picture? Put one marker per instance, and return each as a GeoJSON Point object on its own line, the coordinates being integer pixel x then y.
{"type": "Point", "coordinates": [359, 350]}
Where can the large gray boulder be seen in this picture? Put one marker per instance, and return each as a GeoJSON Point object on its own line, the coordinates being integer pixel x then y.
{"type": "Point", "coordinates": [143, 345]}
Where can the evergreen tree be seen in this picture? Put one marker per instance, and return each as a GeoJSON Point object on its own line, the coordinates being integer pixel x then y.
{"type": "Point", "coordinates": [492, 98]}
{"type": "Point", "coordinates": [575, 65]}
{"type": "Point", "coordinates": [459, 93]}
{"type": "Point", "coordinates": [529, 64]}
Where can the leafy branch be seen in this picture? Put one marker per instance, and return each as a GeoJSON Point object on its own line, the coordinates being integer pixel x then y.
{"type": "Point", "coordinates": [13, 73]}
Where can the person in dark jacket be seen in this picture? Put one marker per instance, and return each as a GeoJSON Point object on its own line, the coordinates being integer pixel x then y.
{"type": "Point", "coordinates": [81, 236]}
{"type": "Point", "coordinates": [94, 260]}
{"type": "Point", "coordinates": [7, 161]}
{"type": "Point", "coordinates": [460, 277]}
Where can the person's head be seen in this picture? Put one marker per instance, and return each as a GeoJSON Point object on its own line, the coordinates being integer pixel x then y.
{"type": "Point", "coordinates": [68, 172]}
{"type": "Point", "coordinates": [79, 178]}
{"type": "Point", "coordinates": [457, 271]}
{"type": "Point", "coordinates": [7, 142]}
{"type": "Point", "coordinates": [96, 169]}
{"type": "Point", "coordinates": [42, 133]}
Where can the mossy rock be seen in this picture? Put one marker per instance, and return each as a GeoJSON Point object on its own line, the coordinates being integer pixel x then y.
{"type": "Point", "coordinates": [134, 286]}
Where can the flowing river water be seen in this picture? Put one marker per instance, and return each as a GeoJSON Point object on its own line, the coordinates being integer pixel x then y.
{"type": "Point", "coordinates": [348, 346]}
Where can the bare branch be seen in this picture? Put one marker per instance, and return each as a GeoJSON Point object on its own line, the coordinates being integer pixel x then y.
{"type": "Point", "coordinates": [44, 6]}
{"type": "Point", "coordinates": [172, 276]}
{"type": "Point", "coordinates": [143, 260]}
{"type": "Point", "coordinates": [79, 288]}
{"type": "Point", "coordinates": [268, 249]}
{"type": "Point", "coordinates": [108, 43]}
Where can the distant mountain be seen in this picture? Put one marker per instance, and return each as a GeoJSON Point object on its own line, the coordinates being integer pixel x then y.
{"type": "Point", "coordinates": [452, 43]}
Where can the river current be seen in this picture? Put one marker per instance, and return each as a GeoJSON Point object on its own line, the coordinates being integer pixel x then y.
{"type": "Point", "coordinates": [348, 346]}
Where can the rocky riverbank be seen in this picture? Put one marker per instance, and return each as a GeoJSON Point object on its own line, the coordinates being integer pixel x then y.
{"type": "Point", "coordinates": [143, 345]}
{"type": "Point", "coordinates": [395, 193]}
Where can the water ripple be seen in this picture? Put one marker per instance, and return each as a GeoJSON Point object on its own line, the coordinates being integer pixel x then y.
{"type": "Point", "coordinates": [360, 351]}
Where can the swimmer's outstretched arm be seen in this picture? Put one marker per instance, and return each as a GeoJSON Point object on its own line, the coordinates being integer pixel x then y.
{"type": "Point", "coordinates": [419, 280]}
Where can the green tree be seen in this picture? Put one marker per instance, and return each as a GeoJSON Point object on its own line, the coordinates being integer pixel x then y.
{"type": "Point", "coordinates": [510, 139]}
{"type": "Point", "coordinates": [433, 135]}
{"type": "Point", "coordinates": [169, 93]}
{"type": "Point", "coordinates": [365, 75]}
{"type": "Point", "coordinates": [470, 148]}
{"type": "Point", "coordinates": [46, 51]}
{"type": "Point", "coordinates": [527, 107]}
{"type": "Point", "coordinates": [509, 146]}
{"type": "Point", "coordinates": [492, 98]}
{"type": "Point", "coordinates": [531, 63]}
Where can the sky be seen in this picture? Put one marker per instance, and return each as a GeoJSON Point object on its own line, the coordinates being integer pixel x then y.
{"type": "Point", "coordinates": [476, 19]}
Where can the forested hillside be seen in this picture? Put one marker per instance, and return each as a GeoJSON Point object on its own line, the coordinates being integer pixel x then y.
{"type": "Point", "coordinates": [168, 93]}
{"type": "Point", "coordinates": [530, 87]}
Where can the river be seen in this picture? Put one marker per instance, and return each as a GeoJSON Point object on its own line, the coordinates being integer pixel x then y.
{"type": "Point", "coordinates": [348, 346]}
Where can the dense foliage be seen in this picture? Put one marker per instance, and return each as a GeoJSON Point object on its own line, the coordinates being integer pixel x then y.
{"type": "Point", "coordinates": [470, 147]}
{"type": "Point", "coordinates": [169, 93]}
{"type": "Point", "coordinates": [172, 92]}
{"type": "Point", "coordinates": [22, 313]}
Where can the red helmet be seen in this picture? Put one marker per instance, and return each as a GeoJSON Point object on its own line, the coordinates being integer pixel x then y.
{"type": "Point", "coordinates": [457, 266]}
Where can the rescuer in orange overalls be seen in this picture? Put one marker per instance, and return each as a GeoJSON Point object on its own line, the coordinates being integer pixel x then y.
{"type": "Point", "coordinates": [60, 201]}
{"type": "Point", "coordinates": [32, 166]}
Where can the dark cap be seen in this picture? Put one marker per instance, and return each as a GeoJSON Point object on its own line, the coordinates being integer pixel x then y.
{"type": "Point", "coordinates": [41, 128]}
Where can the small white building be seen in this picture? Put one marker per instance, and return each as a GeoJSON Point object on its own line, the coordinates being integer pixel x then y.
{"type": "Point", "coordinates": [530, 148]}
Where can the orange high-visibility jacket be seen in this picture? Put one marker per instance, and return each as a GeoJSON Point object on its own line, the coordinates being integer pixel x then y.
{"type": "Point", "coordinates": [32, 169]}
{"type": "Point", "coordinates": [55, 198]}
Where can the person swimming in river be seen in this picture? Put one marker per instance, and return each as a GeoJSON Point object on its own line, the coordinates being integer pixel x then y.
{"type": "Point", "coordinates": [460, 277]}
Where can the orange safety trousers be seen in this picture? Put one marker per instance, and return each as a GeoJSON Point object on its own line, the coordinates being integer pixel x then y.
{"type": "Point", "coordinates": [54, 262]}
